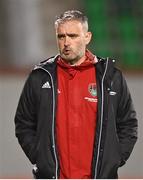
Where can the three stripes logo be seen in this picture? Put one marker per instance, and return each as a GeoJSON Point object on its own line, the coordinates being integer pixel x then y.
{"type": "Point", "coordinates": [46, 85]}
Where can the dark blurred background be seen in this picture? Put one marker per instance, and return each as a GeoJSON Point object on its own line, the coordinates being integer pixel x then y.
{"type": "Point", "coordinates": [27, 37]}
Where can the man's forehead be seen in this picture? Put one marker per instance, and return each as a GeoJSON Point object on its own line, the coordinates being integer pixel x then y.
{"type": "Point", "coordinates": [69, 27]}
{"type": "Point", "coordinates": [70, 24]}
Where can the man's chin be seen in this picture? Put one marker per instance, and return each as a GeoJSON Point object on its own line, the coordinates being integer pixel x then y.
{"type": "Point", "coordinates": [67, 58]}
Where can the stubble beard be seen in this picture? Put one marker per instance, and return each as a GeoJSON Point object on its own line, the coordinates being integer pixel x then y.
{"type": "Point", "coordinates": [71, 60]}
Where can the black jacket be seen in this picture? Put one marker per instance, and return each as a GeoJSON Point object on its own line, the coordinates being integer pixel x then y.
{"type": "Point", "coordinates": [116, 131]}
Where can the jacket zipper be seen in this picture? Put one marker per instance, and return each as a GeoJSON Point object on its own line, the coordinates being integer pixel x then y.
{"type": "Point", "coordinates": [101, 119]}
{"type": "Point", "coordinates": [53, 123]}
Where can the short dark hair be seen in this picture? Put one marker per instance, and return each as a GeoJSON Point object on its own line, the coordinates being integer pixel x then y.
{"type": "Point", "coordinates": [72, 15]}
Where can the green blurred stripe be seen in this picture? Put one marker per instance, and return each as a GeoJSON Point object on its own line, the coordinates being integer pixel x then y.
{"type": "Point", "coordinates": [126, 43]}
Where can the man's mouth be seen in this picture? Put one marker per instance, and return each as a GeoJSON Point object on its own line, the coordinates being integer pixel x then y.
{"type": "Point", "coordinates": [66, 51]}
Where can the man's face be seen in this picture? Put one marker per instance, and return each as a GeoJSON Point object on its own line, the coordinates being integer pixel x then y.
{"type": "Point", "coordinates": [72, 39]}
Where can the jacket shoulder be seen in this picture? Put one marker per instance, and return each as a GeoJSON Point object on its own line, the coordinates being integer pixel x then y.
{"type": "Point", "coordinates": [50, 61]}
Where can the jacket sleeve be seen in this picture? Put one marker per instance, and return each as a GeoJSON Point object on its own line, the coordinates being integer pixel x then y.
{"type": "Point", "coordinates": [126, 122]}
{"type": "Point", "coordinates": [25, 119]}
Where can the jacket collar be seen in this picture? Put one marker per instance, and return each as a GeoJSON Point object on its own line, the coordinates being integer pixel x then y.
{"type": "Point", "coordinates": [50, 65]}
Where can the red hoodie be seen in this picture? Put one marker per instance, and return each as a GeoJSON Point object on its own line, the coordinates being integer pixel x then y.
{"type": "Point", "coordinates": [76, 117]}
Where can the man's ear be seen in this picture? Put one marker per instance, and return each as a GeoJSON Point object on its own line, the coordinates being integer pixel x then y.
{"type": "Point", "coordinates": [88, 37]}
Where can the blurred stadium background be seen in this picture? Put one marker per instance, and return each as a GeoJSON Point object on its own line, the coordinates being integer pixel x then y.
{"type": "Point", "coordinates": [27, 37]}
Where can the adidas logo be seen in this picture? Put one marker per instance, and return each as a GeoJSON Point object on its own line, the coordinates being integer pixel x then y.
{"type": "Point", "coordinates": [46, 85]}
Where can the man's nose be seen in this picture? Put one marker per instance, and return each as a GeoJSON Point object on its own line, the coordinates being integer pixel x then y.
{"type": "Point", "coordinates": [67, 41]}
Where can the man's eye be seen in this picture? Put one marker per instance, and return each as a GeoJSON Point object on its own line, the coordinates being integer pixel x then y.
{"type": "Point", "coordinates": [60, 36]}
{"type": "Point", "coordinates": [73, 35]}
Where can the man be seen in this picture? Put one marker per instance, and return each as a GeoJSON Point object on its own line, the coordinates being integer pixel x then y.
{"type": "Point", "coordinates": [75, 117]}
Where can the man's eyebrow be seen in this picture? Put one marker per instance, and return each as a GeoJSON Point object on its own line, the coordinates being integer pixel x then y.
{"type": "Point", "coordinates": [72, 34]}
{"type": "Point", "coordinates": [61, 34]}
{"type": "Point", "coordinates": [68, 34]}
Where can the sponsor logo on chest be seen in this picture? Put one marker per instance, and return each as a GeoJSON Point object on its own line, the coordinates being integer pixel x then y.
{"type": "Point", "coordinates": [92, 89]}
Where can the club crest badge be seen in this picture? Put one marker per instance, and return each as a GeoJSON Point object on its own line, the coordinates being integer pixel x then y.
{"type": "Point", "coordinates": [92, 89]}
